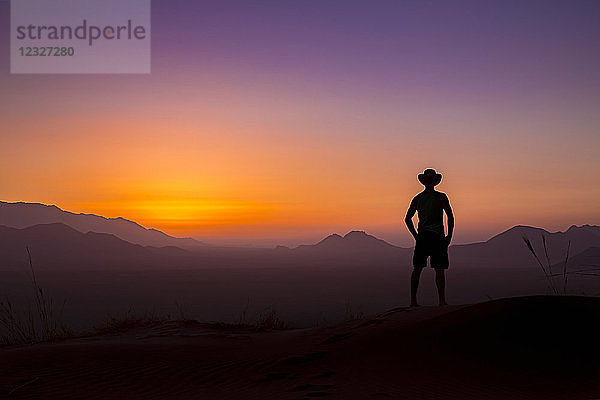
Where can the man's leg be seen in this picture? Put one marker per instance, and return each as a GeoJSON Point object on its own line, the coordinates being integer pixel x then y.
{"type": "Point", "coordinates": [414, 285]}
{"type": "Point", "coordinates": [440, 281]}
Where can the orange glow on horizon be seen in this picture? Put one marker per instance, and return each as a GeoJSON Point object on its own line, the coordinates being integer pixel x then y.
{"type": "Point", "coordinates": [232, 162]}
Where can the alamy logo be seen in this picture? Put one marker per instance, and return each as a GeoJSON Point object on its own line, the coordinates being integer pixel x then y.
{"type": "Point", "coordinates": [80, 36]}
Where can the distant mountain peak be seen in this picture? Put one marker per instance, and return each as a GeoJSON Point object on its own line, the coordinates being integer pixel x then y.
{"type": "Point", "coordinates": [358, 234]}
{"type": "Point", "coordinates": [333, 238]}
{"type": "Point", "coordinates": [584, 227]}
{"type": "Point", "coordinates": [353, 240]}
{"type": "Point", "coordinates": [516, 230]}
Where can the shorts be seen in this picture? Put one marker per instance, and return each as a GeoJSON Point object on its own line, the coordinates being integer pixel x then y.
{"type": "Point", "coordinates": [434, 245]}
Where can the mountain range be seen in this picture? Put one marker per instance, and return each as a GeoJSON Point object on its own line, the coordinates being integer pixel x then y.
{"type": "Point", "coordinates": [58, 246]}
{"type": "Point", "coordinates": [62, 240]}
{"type": "Point", "coordinates": [508, 248]}
{"type": "Point", "coordinates": [22, 215]}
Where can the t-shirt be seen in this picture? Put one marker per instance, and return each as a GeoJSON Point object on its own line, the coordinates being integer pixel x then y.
{"type": "Point", "coordinates": [430, 206]}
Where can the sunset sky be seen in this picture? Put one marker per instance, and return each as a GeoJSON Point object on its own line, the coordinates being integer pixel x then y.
{"type": "Point", "coordinates": [281, 122]}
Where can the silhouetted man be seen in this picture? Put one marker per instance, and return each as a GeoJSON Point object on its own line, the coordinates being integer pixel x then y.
{"type": "Point", "coordinates": [429, 238]}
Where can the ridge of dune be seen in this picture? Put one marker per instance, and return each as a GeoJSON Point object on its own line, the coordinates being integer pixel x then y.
{"type": "Point", "coordinates": [417, 353]}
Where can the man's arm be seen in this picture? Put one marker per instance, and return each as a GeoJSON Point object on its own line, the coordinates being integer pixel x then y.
{"type": "Point", "coordinates": [450, 216]}
{"type": "Point", "coordinates": [408, 219]}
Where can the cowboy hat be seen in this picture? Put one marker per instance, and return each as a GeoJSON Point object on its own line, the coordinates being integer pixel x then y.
{"type": "Point", "coordinates": [430, 177]}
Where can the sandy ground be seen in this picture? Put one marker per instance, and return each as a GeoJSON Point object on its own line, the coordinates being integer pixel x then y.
{"type": "Point", "coordinates": [519, 348]}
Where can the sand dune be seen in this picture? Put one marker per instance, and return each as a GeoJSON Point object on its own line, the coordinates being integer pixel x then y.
{"type": "Point", "coordinates": [528, 347]}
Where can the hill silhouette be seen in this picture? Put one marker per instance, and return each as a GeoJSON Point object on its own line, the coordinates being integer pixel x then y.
{"type": "Point", "coordinates": [58, 246]}
{"type": "Point", "coordinates": [22, 215]}
{"type": "Point", "coordinates": [351, 242]}
{"type": "Point", "coordinates": [355, 248]}
{"type": "Point", "coordinates": [588, 262]}
{"type": "Point", "coordinates": [508, 248]}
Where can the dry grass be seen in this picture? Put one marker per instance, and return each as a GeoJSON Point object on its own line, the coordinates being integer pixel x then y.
{"type": "Point", "coordinates": [350, 314]}
{"type": "Point", "coordinates": [38, 322]}
{"type": "Point", "coordinates": [267, 320]}
{"type": "Point", "coordinates": [270, 319]}
{"type": "Point", "coordinates": [244, 313]}
{"type": "Point", "coordinates": [130, 320]}
{"type": "Point", "coordinates": [547, 269]}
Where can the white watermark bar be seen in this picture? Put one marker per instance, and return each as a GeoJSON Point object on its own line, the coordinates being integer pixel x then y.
{"type": "Point", "coordinates": [80, 36]}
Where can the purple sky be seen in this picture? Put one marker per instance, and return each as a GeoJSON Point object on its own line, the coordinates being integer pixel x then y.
{"type": "Point", "coordinates": [366, 94]}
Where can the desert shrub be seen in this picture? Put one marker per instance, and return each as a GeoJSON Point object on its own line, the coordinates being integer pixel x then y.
{"type": "Point", "coordinates": [270, 319]}
{"type": "Point", "coordinates": [131, 320]}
